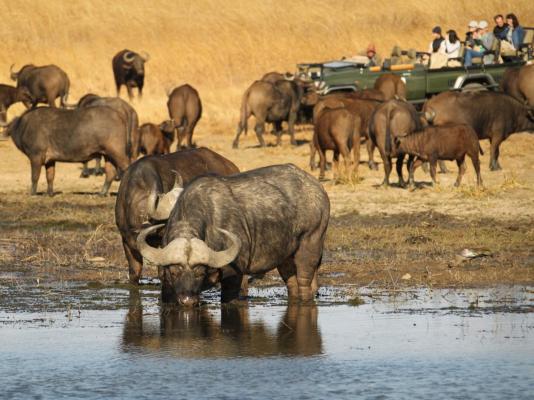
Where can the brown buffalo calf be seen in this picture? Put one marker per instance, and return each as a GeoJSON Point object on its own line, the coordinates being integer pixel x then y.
{"type": "Point", "coordinates": [154, 140]}
{"type": "Point", "coordinates": [446, 142]}
{"type": "Point", "coordinates": [334, 130]}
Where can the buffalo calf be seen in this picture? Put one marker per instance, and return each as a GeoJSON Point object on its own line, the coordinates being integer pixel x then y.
{"type": "Point", "coordinates": [447, 142]}
{"type": "Point", "coordinates": [154, 140]}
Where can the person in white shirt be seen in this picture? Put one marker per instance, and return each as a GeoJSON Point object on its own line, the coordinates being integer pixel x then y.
{"type": "Point", "coordinates": [452, 44]}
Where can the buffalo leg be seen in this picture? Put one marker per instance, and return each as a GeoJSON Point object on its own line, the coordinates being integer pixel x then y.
{"type": "Point", "coordinates": [111, 172]}
{"type": "Point", "coordinates": [239, 130]}
{"type": "Point", "coordinates": [461, 170]}
{"type": "Point", "coordinates": [288, 272]}
{"type": "Point", "coordinates": [36, 172]}
{"type": "Point", "coordinates": [291, 127]}
{"type": "Point", "coordinates": [98, 166]}
{"type": "Point", "coordinates": [135, 263]}
{"type": "Point", "coordinates": [85, 170]}
{"type": "Point", "coordinates": [442, 167]}
{"type": "Point", "coordinates": [335, 164]}
{"type": "Point", "coordinates": [230, 287]}
{"type": "Point", "coordinates": [370, 151]}
{"type": "Point", "coordinates": [130, 91]}
{"type": "Point", "coordinates": [412, 165]}
{"type": "Point", "coordinates": [307, 259]}
{"type": "Point", "coordinates": [260, 128]}
{"type": "Point", "coordinates": [356, 151]}
{"type": "Point", "coordinates": [433, 164]}
{"type": "Point", "coordinates": [400, 161]}
{"type": "Point", "coordinates": [494, 155]}
{"type": "Point", "coordinates": [322, 163]}
{"type": "Point", "coordinates": [476, 164]}
{"type": "Point", "coordinates": [50, 173]}
{"type": "Point", "coordinates": [312, 156]}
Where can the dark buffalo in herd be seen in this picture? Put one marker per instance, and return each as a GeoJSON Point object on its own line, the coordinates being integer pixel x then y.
{"type": "Point", "coordinates": [492, 115]}
{"type": "Point", "coordinates": [391, 120]}
{"type": "Point", "coordinates": [270, 102]}
{"type": "Point", "coordinates": [47, 135]}
{"type": "Point", "coordinates": [185, 110]}
{"type": "Point", "coordinates": [44, 84]}
{"type": "Point", "coordinates": [149, 189]}
{"type": "Point", "coordinates": [222, 228]}
{"type": "Point", "coordinates": [127, 112]}
{"type": "Point", "coordinates": [129, 70]}
{"type": "Point", "coordinates": [447, 142]}
{"type": "Point", "coordinates": [334, 129]}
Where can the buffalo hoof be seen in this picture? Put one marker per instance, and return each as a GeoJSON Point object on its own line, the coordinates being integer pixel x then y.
{"type": "Point", "coordinates": [403, 184]}
{"type": "Point", "coordinates": [495, 167]}
{"type": "Point", "coordinates": [99, 171]}
{"type": "Point", "coordinates": [85, 174]}
{"type": "Point", "coordinates": [294, 143]}
{"type": "Point", "coordinates": [372, 166]}
{"type": "Point", "coordinates": [235, 145]}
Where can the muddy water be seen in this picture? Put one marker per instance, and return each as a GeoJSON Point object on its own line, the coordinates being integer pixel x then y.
{"type": "Point", "coordinates": [79, 341]}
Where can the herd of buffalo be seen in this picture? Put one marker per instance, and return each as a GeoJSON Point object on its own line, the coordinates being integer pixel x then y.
{"type": "Point", "coordinates": [201, 222]}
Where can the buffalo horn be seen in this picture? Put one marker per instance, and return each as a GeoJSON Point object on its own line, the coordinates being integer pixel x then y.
{"type": "Point", "coordinates": [14, 75]}
{"type": "Point", "coordinates": [145, 56]}
{"type": "Point", "coordinates": [128, 57]}
{"type": "Point", "coordinates": [202, 254]}
{"type": "Point", "coordinates": [173, 253]}
{"type": "Point", "coordinates": [166, 201]}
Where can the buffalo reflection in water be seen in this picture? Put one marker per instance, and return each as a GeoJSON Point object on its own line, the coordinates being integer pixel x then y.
{"type": "Point", "coordinates": [200, 333]}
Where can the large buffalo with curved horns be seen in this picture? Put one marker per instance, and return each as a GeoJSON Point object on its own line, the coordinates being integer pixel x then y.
{"type": "Point", "coordinates": [129, 70]}
{"type": "Point", "coordinates": [222, 228]}
{"type": "Point", "coordinates": [149, 189]}
{"type": "Point", "coordinates": [44, 84]}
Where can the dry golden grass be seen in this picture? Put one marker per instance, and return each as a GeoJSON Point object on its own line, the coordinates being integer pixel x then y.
{"type": "Point", "coordinates": [217, 46]}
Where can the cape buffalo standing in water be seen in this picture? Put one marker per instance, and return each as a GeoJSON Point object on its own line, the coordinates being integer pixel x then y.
{"type": "Point", "coordinates": [222, 228]}
{"type": "Point", "coordinates": [149, 189]}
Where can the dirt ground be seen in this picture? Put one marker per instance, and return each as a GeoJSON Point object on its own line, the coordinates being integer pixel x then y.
{"type": "Point", "coordinates": [389, 237]}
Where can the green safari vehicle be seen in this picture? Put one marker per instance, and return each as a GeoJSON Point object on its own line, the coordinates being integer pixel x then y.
{"type": "Point", "coordinates": [421, 81]}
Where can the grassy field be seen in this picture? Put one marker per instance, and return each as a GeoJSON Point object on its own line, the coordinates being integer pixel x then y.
{"type": "Point", "coordinates": [218, 47]}
{"type": "Point", "coordinates": [376, 236]}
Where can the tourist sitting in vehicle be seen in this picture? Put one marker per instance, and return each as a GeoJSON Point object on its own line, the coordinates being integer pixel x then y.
{"type": "Point", "coordinates": [514, 32]}
{"type": "Point", "coordinates": [374, 59]}
{"type": "Point", "coordinates": [437, 50]}
{"type": "Point", "coordinates": [500, 27]}
{"type": "Point", "coordinates": [437, 45]}
{"type": "Point", "coordinates": [469, 39]}
{"type": "Point", "coordinates": [483, 43]}
{"type": "Point", "coordinates": [452, 45]}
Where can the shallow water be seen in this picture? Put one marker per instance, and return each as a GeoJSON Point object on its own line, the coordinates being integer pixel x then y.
{"type": "Point", "coordinates": [413, 344]}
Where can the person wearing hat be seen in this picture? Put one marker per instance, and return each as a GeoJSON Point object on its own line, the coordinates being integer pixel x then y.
{"type": "Point", "coordinates": [438, 43]}
{"type": "Point", "coordinates": [483, 42]}
{"type": "Point", "coordinates": [469, 40]}
{"type": "Point", "coordinates": [374, 59]}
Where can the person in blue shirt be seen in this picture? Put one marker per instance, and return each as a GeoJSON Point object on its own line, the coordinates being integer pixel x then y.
{"type": "Point", "coordinates": [515, 32]}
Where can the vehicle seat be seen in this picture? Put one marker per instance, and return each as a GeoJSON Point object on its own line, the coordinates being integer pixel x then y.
{"type": "Point", "coordinates": [396, 55]}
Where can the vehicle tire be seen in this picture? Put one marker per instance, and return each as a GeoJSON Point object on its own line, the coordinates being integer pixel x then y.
{"type": "Point", "coordinates": [474, 87]}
